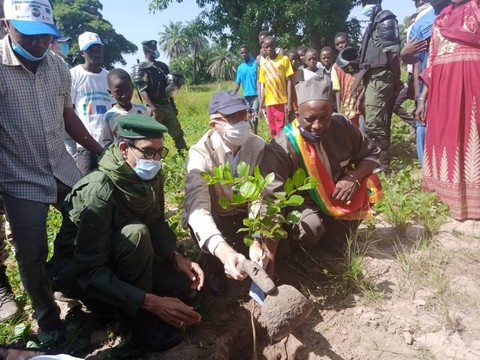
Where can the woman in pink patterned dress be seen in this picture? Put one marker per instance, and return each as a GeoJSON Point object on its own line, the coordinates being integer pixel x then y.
{"type": "Point", "coordinates": [452, 150]}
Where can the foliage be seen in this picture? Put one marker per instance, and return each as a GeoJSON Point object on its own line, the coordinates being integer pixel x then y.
{"type": "Point", "coordinates": [222, 64]}
{"type": "Point", "coordinates": [194, 71]}
{"type": "Point", "coordinates": [73, 17]}
{"type": "Point", "coordinates": [353, 276]}
{"type": "Point", "coordinates": [187, 46]}
{"type": "Point", "coordinates": [405, 203]}
{"type": "Point", "coordinates": [173, 41]}
{"type": "Point", "coordinates": [267, 220]}
{"type": "Point", "coordinates": [311, 22]}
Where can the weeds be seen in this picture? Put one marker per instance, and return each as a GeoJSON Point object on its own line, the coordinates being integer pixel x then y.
{"type": "Point", "coordinates": [406, 204]}
{"type": "Point", "coordinates": [353, 276]}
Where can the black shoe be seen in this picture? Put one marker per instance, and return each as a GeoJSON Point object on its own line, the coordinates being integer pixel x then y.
{"type": "Point", "coordinates": [8, 307]}
{"type": "Point", "coordinates": [51, 335]}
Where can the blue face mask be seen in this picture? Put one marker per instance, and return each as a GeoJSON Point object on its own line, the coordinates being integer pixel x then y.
{"type": "Point", "coordinates": [147, 169]}
{"type": "Point", "coordinates": [307, 135]}
{"type": "Point", "coordinates": [64, 49]}
{"type": "Point", "coordinates": [156, 54]}
{"type": "Point", "coordinates": [25, 54]}
{"type": "Point", "coordinates": [368, 10]}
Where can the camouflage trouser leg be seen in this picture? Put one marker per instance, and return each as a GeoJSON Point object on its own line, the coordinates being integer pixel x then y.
{"type": "Point", "coordinates": [379, 101]}
{"type": "Point", "coordinates": [170, 120]}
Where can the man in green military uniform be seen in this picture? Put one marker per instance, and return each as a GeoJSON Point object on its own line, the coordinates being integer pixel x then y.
{"type": "Point", "coordinates": [380, 64]}
{"type": "Point", "coordinates": [152, 81]}
{"type": "Point", "coordinates": [116, 249]}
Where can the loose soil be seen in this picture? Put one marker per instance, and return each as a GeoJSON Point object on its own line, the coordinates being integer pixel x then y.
{"type": "Point", "coordinates": [416, 300]}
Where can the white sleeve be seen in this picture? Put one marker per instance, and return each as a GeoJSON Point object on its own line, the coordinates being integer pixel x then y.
{"type": "Point", "coordinates": [197, 204]}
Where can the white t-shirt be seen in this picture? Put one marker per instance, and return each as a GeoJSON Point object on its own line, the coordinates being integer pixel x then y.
{"type": "Point", "coordinates": [110, 127]}
{"type": "Point", "coordinates": [91, 99]}
{"type": "Point", "coordinates": [308, 74]}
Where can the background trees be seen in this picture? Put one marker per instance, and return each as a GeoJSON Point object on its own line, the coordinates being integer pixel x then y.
{"type": "Point", "coordinates": [73, 17]}
{"type": "Point", "coordinates": [310, 22]}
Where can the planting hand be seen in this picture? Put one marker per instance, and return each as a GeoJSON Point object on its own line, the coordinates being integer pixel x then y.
{"type": "Point", "coordinates": [171, 310]}
{"type": "Point", "coordinates": [193, 271]}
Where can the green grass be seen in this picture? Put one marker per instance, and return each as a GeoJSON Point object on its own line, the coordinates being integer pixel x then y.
{"type": "Point", "coordinates": [404, 202]}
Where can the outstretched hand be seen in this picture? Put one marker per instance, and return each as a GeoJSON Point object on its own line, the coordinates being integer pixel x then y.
{"type": "Point", "coordinates": [171, 310]}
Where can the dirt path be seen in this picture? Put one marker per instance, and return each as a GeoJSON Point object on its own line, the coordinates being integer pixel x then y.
{"type": "Point", "coordinates": [420, 300]}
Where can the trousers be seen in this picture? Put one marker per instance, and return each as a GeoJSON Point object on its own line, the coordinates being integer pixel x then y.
{"type": "Point", "coordinates": [28, 223]}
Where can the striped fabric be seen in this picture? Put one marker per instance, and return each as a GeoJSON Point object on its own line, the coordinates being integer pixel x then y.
{"type": "Point", "coordinates": [358, 207]}
{"type": "Point", "coordinates": [274, 73]}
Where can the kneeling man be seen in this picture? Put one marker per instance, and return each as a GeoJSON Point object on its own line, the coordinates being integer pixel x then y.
{"type": "Point", "coordinates": [115, 249]}
{"type": "Point", "coordinates": [337, 154]}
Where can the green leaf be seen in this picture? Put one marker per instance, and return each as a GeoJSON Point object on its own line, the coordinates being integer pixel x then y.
{"type": "Point", "coordinates": [227, 175]}
{"type": "Point", "coordinates": [288, 186]}
{"type": "Point", "coordinates": [248, 240]}
{"type": "Point", "coordinates": [243, 169]}
{"type": "Point", "coordinates": [256, 172]}
{"type": "Point", "coordinates": [248, 190]}
{"type": "Point", "coordinates": [238, 199]}
{"type": "Point", "coordinates": [269, 178]}
{"type": "Point", "coordinates": [293, 217]}
{"type": "Point", "coordinates": [223, 202]}
{"type": "Point", "coordinates": [32, 345]}
{"type": "Point", "coordinates": [21, 330]}
{"type": "Point", "coordinates": [280, 234]}
{"type": "Point", "coordinates": [294, 200]}
{"type": "Point", "coordinates": [280, 197]}
{"type": "Point", "coordinates": [272, 210]}
{"type": "Point", "coordinates": [299, 177]}
{"type": "Point", "coordinates": [205, 175]}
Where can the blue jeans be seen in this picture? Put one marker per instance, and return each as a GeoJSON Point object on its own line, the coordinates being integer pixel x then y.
{"type": "Point", "coordinates": [421, 133]}
{"type": "Point", "coordinates": [28, 222]}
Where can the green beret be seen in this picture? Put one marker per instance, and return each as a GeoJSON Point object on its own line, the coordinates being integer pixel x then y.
{"type": "Point", "coordinates": [136, 126]}
{"type": "Point", "coordinates": [149, 43]}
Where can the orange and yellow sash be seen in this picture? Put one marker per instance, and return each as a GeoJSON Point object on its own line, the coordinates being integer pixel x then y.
{"type": "Point", "coordinates": [358, 207]}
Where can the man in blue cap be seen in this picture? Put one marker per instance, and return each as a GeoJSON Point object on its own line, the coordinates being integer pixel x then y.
{"type": "Point", "coordinates": [37, 171]}
{"type": "Point", "coordinates": [214, 228]}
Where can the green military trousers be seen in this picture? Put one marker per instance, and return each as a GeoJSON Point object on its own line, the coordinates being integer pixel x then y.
{"type": "Point", "coordinates": [170, 120]}
{"type": "Point", "coordinates": [379, 101]}
{"type": "Point", "coordinates": [135, 262]}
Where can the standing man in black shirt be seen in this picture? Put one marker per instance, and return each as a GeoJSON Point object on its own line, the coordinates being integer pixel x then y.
{"type": "Point", "coordinates": [153, 83]}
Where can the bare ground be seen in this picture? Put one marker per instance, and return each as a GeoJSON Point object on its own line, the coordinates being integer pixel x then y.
{"type": "Point", "coordinates": [414, 299]}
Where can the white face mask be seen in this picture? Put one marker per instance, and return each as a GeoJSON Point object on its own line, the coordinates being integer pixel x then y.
{"type": "Point", "coordinates": [236, 134]}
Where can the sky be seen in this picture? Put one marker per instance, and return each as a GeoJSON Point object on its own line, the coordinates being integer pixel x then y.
{"type": "Point", "coordinates": [136, 24]}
